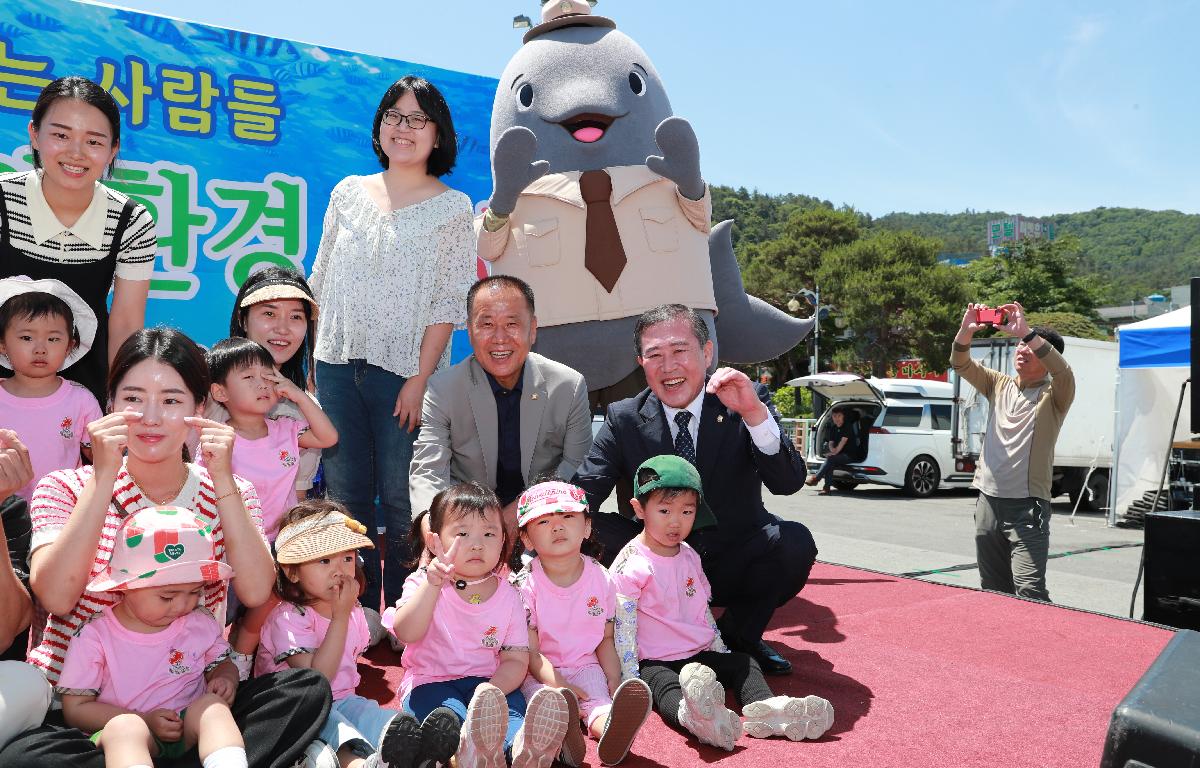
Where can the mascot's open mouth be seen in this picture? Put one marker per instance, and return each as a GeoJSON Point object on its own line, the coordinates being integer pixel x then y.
{"type": "Point", "coordinates": [588, 127]}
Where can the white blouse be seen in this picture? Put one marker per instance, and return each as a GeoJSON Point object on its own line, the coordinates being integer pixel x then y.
{"type": "Point", "coordinates": [382, 278]}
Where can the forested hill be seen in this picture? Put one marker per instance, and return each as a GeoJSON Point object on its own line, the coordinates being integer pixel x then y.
{"type": "Point", "coordinates": [1132, 252]}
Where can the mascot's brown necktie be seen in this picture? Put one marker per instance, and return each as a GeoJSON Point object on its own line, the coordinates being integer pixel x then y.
{"type": "Point", "coordinates": [603, 254]}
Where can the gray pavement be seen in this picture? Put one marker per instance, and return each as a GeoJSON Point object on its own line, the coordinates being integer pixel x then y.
{"type": "Point", "coordinates": [883, 529]}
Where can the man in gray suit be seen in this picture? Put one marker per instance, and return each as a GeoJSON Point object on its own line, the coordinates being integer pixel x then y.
{"type": "Point", "coordinates": [505, 415]}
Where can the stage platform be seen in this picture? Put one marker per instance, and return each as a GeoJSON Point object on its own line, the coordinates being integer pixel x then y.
{"type": "Point", "coordinates": [920, 675]}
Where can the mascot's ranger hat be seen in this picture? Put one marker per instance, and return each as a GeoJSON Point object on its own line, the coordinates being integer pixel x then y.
{"type": "Point", "coordinates": [84, 317]}
{"type": "Point", "coordinates": [160, 546]}
{"type": "Point", "coordinates": [567, 13]}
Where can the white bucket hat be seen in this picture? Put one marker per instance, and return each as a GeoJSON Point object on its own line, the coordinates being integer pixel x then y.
{"type": "Point", "coordinates": [85, 318]}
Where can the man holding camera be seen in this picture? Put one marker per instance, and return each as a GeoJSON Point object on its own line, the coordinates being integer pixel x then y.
{"type": "Point", "coordinates": [1015, 467]}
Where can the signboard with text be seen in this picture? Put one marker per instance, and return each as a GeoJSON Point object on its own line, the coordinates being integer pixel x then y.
{"type": "Point", "coordinates": [232, 140]}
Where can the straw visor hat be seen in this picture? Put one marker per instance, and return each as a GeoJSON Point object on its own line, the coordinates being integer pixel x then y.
{"type": "Point", "coordinates": [315, 537]}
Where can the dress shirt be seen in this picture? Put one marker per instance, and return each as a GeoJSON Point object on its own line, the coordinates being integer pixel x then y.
{"type": "Point", "coordinates": [765, 435]}
{"type": "Point", "coordinates": [509, 481]}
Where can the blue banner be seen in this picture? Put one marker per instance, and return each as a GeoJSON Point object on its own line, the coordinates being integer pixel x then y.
{"type": "Point", "coordinates": [232, 140]}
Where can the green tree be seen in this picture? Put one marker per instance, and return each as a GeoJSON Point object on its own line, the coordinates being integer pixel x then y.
{"type": "Point", "coordinates": [1068, 324]}
{"type": "Point", "coordinates": [776, 269]}
{"type": "Point", "coordinates": [895, 298]}
{"type": "Point", "coordinates": [1043, 275]}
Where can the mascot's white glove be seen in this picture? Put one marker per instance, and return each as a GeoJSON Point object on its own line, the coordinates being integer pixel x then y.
{"type": "Point", "coordinates": [625, 636]}
{"type": "Point", "coordinates": [513, 168]}
{"type": "Point", "coordinates": [680, 158]}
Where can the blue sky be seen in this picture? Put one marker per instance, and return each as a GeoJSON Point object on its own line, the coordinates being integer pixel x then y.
{"type": "Point", "coordinates": [1027, 107]}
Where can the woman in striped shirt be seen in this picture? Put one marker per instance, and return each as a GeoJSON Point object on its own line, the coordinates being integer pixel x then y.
{"type": "Point", "coordinates": [157, 386]}
{"type": "Point", "coordinates": [58, 221]}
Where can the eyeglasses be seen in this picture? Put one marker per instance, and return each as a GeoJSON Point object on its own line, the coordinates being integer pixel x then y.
{"type": "Point", "coordinates": [416, 120]}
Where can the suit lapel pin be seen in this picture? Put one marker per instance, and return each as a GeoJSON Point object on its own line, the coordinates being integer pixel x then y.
{"type": "Point", "coordinates": [533, 396]}
{"type": "Point", "coordinates": [720, 417]}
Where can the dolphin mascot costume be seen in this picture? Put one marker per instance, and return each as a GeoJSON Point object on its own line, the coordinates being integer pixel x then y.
{"type": "Point", "coordinates": [599, 204]}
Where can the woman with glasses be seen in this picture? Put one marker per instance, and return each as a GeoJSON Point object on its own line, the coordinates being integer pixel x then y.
{"type": "Point", "coordinates": [391, 276]}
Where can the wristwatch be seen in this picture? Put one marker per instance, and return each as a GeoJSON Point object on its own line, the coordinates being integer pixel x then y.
{"type": "Point", "coordinates": [1029, 337]}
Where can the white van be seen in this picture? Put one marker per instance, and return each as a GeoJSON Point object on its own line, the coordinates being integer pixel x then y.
{"type": "Point", "coordinates": [903, 428]}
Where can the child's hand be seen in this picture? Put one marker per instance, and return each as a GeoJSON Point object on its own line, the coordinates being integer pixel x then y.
{"type": "Point", "coordinates": [165, 724]}
{"type": "Point", "coordinates": [216, 445]}
{"type": "Point", "coordinates": [110, 436]}
{"type": "Point", "coordinates": [223, 687]}
{"type": "Point", "coordinates": [345, 597]}
{"type": "Point", "coordinates": [441, 567]}
{"type": "Point", "coordinates": [284, 386]}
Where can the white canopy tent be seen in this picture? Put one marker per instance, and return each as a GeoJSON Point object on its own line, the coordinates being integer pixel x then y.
{"type": "Point", "coordinates": [1154, 361]}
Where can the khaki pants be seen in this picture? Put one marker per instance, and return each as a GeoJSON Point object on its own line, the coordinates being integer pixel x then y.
{"type": "Point", "coordinates": [1012, 544]}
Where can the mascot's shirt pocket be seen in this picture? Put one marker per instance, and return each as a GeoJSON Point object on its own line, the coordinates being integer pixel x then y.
{"type": "Point", "coordinates": [537, 242]}
{"type": "Point", "coordinates": [661, 232]}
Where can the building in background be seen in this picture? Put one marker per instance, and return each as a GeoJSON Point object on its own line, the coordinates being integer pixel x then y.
{"type": "Point", "coordinates": [1000, 232]}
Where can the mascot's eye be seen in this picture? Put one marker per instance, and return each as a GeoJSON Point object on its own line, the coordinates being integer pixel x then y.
{"type": "Point", "coordinates": [636, 83]}
{"type": "Point", "coordinates": [525, 95]}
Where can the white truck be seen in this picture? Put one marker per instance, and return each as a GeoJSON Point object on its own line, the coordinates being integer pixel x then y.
{"type": "Point", "coordinates": [1085, 440]}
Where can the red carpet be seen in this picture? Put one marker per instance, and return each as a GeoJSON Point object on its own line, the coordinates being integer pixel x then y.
{"type": "Point", "coordinates": [924, 675]}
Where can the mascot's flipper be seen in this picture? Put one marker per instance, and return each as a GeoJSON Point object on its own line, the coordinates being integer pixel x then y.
{"type": "Point", "coordinates": [750, 329]}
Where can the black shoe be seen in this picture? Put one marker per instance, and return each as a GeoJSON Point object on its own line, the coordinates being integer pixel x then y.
{"type": "Point", "coordinates": [439, 738]}
{"type": "Point", "coordinates": [769, 660]}
{"type": "Point", "coordinates": [399, 744]}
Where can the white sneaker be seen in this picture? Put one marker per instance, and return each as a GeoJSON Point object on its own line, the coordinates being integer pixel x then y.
{"type": "Point", "coordinates": [481, 742]}
{"type": "Point", "coordinates": [375, 627]}
{"type": "Point", "coordinates": [318, 754]}
{"type": "Point", "coordinates": [540, 737]}
{"type": "Point", "coordinates": [703, 710]}
{"type": "Point", "coordinates": [798, 719]}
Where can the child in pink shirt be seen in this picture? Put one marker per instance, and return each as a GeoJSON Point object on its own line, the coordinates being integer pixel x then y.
{"type": "Point", "coordinates": [319, 625]}
{"type": "Point", "coordinates": [666, 634]}
{"type": "Point", "coordinates": [265, 451]}
{"type": "Point", "coordinates": [571, 602]}
{"type": "Point", "coordinates": [150, 676]}
{"type": "Point", "coordinates": [44, 328]}
{"type": "Point", "coordinates": [467, 641]}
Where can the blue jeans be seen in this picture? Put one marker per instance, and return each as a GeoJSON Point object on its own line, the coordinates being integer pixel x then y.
{"type": "Point", "coordinates": [455, 695]}
{"type": "Point", "coordinates": [367, 470]}
{"type": "Point", "coordinates": [358, 722]}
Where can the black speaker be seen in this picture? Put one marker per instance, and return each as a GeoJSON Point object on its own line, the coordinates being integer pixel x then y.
{"type": "Point", "coordinates": [1157, 724]}
{"type": "Point", "coordinates": [1172, 594]}
{"type": "Point", "coordinates": [1195, 347]}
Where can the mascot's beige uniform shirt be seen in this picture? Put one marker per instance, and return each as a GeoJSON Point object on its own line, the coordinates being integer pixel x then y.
{"type": "Point", "coordinates": [665, 237]}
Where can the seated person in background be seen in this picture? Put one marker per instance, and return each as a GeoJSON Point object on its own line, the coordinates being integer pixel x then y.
{"type": "Point", "coordinates": [840, 445]}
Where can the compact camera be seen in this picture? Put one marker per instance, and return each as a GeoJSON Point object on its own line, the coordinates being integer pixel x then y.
{"type": "Point", "coordinates": [993, 317]}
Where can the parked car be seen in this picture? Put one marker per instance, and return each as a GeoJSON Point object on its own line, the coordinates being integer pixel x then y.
{"type": "Point", "coordinates": [902, 428]}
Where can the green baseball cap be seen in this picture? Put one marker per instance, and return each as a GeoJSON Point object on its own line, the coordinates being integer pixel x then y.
{"type": "Point", "coordinates": [670, 471]}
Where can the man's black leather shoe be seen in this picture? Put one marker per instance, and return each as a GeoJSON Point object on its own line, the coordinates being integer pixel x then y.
{"type": "Point", "coordinates": [770, 661]}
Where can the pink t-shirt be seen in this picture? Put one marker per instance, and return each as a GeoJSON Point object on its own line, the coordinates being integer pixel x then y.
{"type": "Point", "coordinates": [143, 672]}
{"type": "Point", "coordinates": [463, 640]}
{"type": "Point", "coordinates": [291, 629]}
{"type": "Point", "coordinates": [270, 463]}
{"type": "Point", "coordinates": [672, 594]}
{"type": "Point", "coordinates": [53, 428]}
{"type": "Point", "coordinates": [570, 620]}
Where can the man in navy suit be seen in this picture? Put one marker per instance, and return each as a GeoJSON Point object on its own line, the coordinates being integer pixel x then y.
{"type": "Point", "coordinates": [725, 425]}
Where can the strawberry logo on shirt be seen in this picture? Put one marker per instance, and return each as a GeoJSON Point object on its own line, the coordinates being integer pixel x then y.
{"type": "Point", "coordinates": [489, 638]}
{"type": "Point", "coordinates": [593, 606]}
{"type": "Point", "coordinates": [287, 459]}
{"type": "Point", "coordinates": [175, 659]}
{"type": "Point", "coordinates": [689, 588]}
{"type": "Point", "coordinates": [64, 428]}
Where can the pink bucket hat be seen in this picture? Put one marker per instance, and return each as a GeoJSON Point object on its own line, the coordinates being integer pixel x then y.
{"type": "Point", "coordinates": [548, 498]}
{"type": "Point", "coordinates": [160, 546]}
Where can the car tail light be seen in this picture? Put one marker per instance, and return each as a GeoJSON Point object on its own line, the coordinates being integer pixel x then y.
{"type": "Point", "coordinates": [964, 465]}
{"type": "Point", "coordinates": [878, 431]}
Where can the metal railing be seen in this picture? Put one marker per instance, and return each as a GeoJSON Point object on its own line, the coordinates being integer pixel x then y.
{"type": "Point", "coordinates": [799, 430]}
